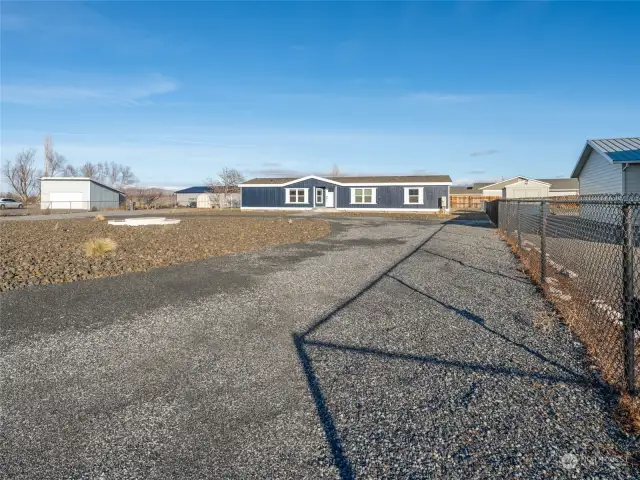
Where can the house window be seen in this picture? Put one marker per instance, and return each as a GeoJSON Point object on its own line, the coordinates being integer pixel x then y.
{"type": "Point", "coordinates": [319, 195]}
{"type": "Point", "coordinates": [296, 195]}
{"type": "Point", "coordinates": [413, 195]}
{"type": "Point", "coordinates": [363, 195]}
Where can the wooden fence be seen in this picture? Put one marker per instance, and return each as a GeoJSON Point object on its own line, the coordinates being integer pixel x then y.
{"type": "Point", "coordinates": [471, 202]}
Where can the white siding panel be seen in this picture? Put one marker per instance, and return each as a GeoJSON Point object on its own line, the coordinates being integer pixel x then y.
{"type": "Point", "coordinates": [526, 190]}
{"type": "Point", "coordinates": [76, 191]}
{"type": "Point", "coordinates": [632, 178]}
{"type": "Point", "coordinates": [491, 193]}
{"type": "Point", "coordinates": [600, 176]}
{"type": "Point", "coordinates": [562, 193]}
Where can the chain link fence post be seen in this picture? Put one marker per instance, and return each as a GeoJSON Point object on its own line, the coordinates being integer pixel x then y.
{"type": "Point", "coordinates": [519, 227]}
{"type": "Point", "coordinates": [627, 282]}
{"type": "Point", "coordinates": [543, 242]}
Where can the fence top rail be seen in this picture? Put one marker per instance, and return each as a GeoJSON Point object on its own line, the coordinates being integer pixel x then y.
{"type": "Point", "coordinates": [620, 200]}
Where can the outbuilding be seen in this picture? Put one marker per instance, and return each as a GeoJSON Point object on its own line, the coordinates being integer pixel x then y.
{"type": "Point", "coordinates": [524, 187]}
{"type": "Point", "coordinates": [425, 193]}
{"type": "Point", "coordinates": [77, 193]}
{"type": "Point", "coordinates": [219, 195]}
{"type": "Point", "coordinates": [609, 166]}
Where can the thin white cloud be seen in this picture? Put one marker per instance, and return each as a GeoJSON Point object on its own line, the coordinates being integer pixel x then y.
{"type": "Point", "coordinates": [12, 22]}
{"type": "Point", "coordinates": [435, 97]}
{"type": "Point", "coordinates": [124, 91]}
{"type": "Point", "coordinates": [484, 153]}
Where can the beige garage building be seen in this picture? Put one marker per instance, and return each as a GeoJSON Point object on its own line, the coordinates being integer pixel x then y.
{"type": "Point", "coordinates": [523, 187]}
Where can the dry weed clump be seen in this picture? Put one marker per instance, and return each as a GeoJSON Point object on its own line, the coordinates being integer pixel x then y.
{"type": "Point", "coordinates": [100, 218]}
{"type": "Point", "coordinates": [99, 246]}
{"type": "Point", "coordinates": [628, 412]}
{"type": "Point", "coordinates": [543, 321]}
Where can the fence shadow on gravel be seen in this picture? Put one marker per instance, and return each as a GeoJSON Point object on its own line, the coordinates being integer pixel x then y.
{"type": "Point", "coordinates": [583, 252]}
{"type": "Point", "coordinates": [304, 347]}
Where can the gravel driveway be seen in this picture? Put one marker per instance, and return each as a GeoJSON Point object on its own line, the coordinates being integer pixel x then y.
{"type": "Point", "coordinates": [388, 349]}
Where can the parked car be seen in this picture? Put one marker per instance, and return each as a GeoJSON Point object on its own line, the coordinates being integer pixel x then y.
{"type": "Point", "coordinates": [10, 203]}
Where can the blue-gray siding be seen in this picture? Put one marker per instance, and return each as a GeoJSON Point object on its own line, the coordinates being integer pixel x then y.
{"type": "Point", "coordinates": [599, 175]}
{"type": "Point", "coordinates": [386, 196]}
{"type": "Point", "coordinates": [632, 178]}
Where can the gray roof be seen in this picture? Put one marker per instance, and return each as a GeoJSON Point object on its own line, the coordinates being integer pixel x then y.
{"type": "Point", "coordinates": [555, 184]}
{"type": "Point", "coordinates": [561, 183]}
{"type": "Point", "coordinates": [368, 179]}
{"type": "Point", "coordinates": [623, 150]}
{"type": "Point", "coordinates": [467, 190]}
{"type": "Point", "coordinates": [503, 183]}
{"type": "Point", "coordinates": [629, 148]}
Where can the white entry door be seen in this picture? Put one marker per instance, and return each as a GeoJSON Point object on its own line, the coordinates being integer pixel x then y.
{"type": "Point", "coordinates": [329, 200]}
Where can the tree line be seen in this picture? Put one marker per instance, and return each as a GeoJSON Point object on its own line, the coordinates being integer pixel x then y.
{"type": "Point", "coordinates": [23, 174]}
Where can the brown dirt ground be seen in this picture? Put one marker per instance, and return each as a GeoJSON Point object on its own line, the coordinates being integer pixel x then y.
{"type": "Point", "coordinates": [52, 251]}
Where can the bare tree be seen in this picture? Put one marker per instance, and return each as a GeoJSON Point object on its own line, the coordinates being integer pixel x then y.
{"type": "Point", "coordinates": [22, 174]}
{"type": "Point", "coordinates": [230, 177]}
{"type": "Point", "coordinates": [48, 155]}
{"type": "Point", "coordinates": [148, 196]}
{"type": "Point", "coordinates": [126, 175]}
{"type": "Point", "coordinates": [57, 164]}
{"type": "Point", "coordinates": [91, 170]}
{"type": "Point", "coordinates": [227, 179]}
{"type": "Point", "coordinates": [112, 172]}
{"type": "Point", "coordinates": [70, 171]}
{"type": "Point", "coordinates": [335, 171]}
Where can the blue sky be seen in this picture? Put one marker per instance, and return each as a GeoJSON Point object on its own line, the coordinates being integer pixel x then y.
{"type": "Point", "coordinates": [177, 90]}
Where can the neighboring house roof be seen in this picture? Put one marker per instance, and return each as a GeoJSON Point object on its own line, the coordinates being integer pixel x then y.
{"type": "Point", "coordinates": [615, 150]}
{"type": "Point", "coordinates": [561, 183]}
{"type": "Point", "coordinates": [555, 184]}
{"type": "Point", "coordinates": [202, 189]}
{"type": "Point", "coordinates": [461, 190]}
{"type": "Point", "coordinates": [469, 190]}
{"type": "Point", "coordinates": [85, 179]}
{"type": "Point", "coordinates": [503, 183]}
{"type": "Point", "coordinates": [205, 189]}
{"type": "Point", "coordinates": [406, 179]}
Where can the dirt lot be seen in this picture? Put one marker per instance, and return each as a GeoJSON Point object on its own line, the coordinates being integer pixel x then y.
{"type": "Point", "coordinates": [44, 252]}
{"type": "Point", "coordinates": [384, 350]}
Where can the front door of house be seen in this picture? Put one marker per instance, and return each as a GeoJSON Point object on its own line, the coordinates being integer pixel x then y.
{"type": "Point", "coordinates": [329, 200]}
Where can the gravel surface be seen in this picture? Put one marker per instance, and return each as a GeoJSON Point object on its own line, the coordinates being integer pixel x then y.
{"type": "Point", "coordinates": [41, 253]}
{"type": "Point", "coordinates": [303, 361]}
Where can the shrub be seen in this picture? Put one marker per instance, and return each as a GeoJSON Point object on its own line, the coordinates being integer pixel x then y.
{"type": "Point", "coordinates": [94, 209]}
{"type": "Point", "coordinates": [99, 246]}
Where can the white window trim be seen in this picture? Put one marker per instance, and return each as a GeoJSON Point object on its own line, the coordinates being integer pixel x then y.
{"type": "Point", "coordinates": [286, 197]}
{"type": "Point", "coordinates": [373, 196]}
{"type": "Point", "coordinates": [420, 195]}
{"type": "Point", "coordinates": [321, 192]}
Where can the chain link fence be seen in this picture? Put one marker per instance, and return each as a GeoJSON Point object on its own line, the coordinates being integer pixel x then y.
{"type": "Point", "coordinates": [583, 251]}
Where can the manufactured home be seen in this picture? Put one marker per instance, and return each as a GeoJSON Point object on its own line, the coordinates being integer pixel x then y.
{"type": "Point", "coordinates": [424, 193]}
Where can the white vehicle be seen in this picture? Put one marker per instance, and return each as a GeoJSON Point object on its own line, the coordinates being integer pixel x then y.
{"type": "Point", "coordinates": [10, 203]}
